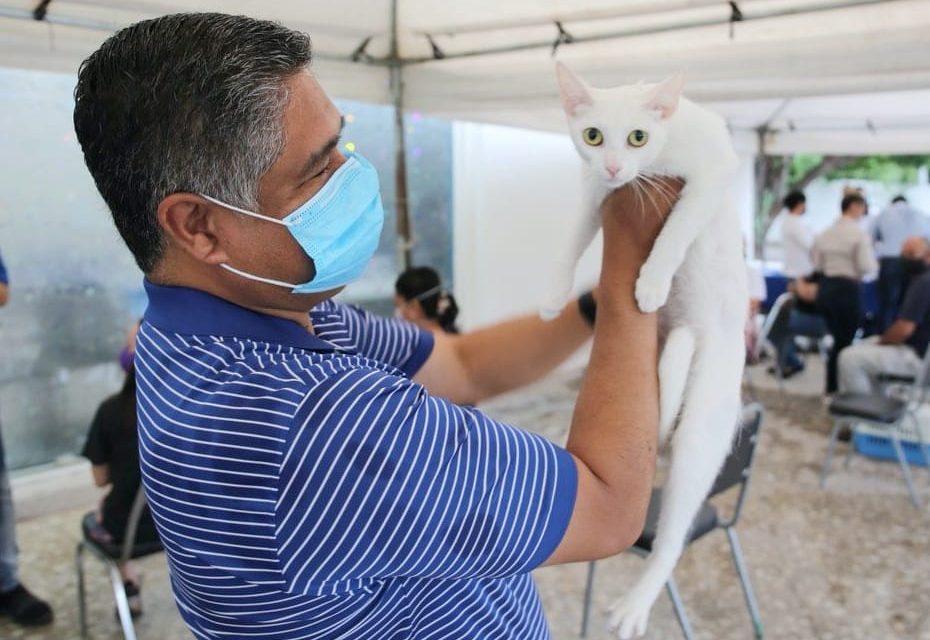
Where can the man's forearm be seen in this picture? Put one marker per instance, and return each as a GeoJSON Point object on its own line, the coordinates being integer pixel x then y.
{"type": "Point", "coordinates": [517, 352]}
{"type": "Point", "coordinates": [4, 293]}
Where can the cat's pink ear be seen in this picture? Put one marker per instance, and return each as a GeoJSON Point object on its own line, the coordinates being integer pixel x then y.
{"type": "Point", "coordinates": [665, 96]}
{"type": "Point", "coordinates": [573, 90]}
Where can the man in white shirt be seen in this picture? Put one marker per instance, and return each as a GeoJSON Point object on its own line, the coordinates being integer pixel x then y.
{"type": "Point", "coordinates": [796, 238]}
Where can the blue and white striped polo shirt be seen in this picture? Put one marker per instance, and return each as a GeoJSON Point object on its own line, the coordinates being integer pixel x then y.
{"type": "Point", "coordinates": [305, 488]}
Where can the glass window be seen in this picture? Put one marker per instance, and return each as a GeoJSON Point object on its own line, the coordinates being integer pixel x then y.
{"type": "Point", "coordinates": [75, 289]}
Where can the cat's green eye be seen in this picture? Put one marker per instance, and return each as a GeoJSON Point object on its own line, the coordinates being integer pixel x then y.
{"type": "Point", "coordinates": [593, 136]}
{"type": "Point", "coordinates": [637, 138]}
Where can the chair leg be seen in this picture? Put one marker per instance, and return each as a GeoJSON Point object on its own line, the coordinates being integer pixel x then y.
{"type": "Point", "coordinates": [82, 596]}
{"type": "Point", "coordinates": [737, 553]}
{"type": "Point", "coordinates": [905, 469]}
{"type": "Point", "coordinates": [830, 447]}
{"type": "Point", "coordinates": [586, 605]}
{"type": "Point", "coordinates": [122, 604]}
{"type": "Point", "coordinates": [920, 440]}
{"type": "Point", "coordinates": [851, 448]}
{"type": "Point", "coordinates": [672, 588]}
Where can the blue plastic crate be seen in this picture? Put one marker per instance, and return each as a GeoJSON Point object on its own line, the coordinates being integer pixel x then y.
{"type": "Point", "coordinates": [880, 447]}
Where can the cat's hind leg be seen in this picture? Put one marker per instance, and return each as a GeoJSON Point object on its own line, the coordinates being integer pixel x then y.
{"type": "Point", "coordinates": [674, 370]}
{"type": "Point", "coordinates": [699, 446]}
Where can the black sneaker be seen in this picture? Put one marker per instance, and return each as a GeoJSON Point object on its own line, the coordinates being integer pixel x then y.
{"type": "Point", "coordinates": [24, 608]}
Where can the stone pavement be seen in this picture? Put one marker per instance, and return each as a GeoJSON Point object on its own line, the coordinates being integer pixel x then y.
{"type": "Point", "coordinates": [849, 563]}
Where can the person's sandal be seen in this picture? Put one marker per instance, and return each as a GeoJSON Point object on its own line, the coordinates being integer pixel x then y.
{"type": "Point", "coordinates": [134, 598]}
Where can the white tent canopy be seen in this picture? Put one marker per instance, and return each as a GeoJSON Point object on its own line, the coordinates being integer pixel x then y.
{"type": "Point", "coordinates": [832, 76]}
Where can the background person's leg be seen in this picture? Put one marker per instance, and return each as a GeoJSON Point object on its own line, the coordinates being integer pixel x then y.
{"type": "Point", "coordinates": [838, 299]}
{"type": "Point", "coordinates": [860, 364]}
{"type": "Point", "coordinates": [15, 599]}
{"type": "Point", "coordinates": [8, 553]}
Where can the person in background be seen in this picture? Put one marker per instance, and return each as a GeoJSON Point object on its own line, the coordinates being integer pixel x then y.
{"type": "Point", "coordinates": [15, 600]}
{"type": "Point", "coordinates": [898, 222]}
{"type": "Point", "coordinates": [901, 347]}
{"type": "Point", "coordinates": [112, 447]}
{"type": "Point", "coordinates": [797, 242]}
{"type": "Point", "coordinates": [796, 238]}
{"type": "Point", "coordinates": [843, 254]}
{"type": "Point", "coordinates": [419, 297]}
{"type": "Point", "coordinates": [757, 295]}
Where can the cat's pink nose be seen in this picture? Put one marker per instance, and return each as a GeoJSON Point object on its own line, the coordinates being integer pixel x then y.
{"type": "Point", "coordinates": [613, 170]}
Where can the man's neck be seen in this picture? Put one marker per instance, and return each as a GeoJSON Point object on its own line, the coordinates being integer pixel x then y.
{"type": "Point", "coordinates": [166, 278]}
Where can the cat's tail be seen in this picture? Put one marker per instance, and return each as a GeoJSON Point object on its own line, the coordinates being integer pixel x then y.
{"type": "Point", "coordinates": [674, 371]}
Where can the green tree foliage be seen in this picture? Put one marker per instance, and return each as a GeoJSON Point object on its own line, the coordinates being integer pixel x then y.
{"type": "Point", "coordinates": [887, 169]}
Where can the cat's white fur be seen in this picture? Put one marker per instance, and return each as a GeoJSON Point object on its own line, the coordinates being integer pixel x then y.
{"type": "Point", "coordinates": [694, 275]}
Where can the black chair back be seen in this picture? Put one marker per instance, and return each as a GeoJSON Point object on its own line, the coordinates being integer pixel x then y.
{"type": "Point", "coordinates": [738, 466]}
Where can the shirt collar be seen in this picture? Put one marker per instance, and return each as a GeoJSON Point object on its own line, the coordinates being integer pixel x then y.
{"type": "Point", "coordinates": [194, 312]}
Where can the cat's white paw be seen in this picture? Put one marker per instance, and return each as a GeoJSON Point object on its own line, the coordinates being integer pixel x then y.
{"type": "Point", "coordinates": [651, 291]}
{"type": "Point", "coordinates": [629, 616]}
{"type": "Point", "coordinates": [550, 311]}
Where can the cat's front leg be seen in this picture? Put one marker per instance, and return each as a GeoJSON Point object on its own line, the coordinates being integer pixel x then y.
{"type": "Point", "coordinates": [695, 209]}
{"type": "Point", "coordinates": [560, 287]}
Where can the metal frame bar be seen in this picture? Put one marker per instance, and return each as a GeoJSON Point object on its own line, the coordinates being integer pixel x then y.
{"type": "Point", "coordinates": [892, 430]}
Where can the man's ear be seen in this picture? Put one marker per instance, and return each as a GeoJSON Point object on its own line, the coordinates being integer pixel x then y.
{"type": "Point", "coordinates": [190, 223]}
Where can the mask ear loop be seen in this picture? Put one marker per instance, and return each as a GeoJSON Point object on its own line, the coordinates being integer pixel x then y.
{"type": "Point", "coordinates": [243, 274]}
{"type": "Point", "coordinates": [220, 203]}
{"type": "Point", "coordinates": [252, 276]}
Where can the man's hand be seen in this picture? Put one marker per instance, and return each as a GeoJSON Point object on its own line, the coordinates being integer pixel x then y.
{"type": "Point", "coordinates": [632, 218]}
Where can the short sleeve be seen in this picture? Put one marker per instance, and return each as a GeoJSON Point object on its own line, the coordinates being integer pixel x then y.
{"type": "Point", "coordinates": [97, 447]}
{"type": "Point", "coordinates": [917, 300]}
{"type": "Point", "coordinates": [4, 276]}
{"type": "Point", "coordinates": [380, 480]}
{"type": "Point", "coordinates": [400, 344]}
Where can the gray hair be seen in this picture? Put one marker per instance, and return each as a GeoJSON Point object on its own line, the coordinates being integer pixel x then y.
{"type": "Point", "coordinates": [184, 103]}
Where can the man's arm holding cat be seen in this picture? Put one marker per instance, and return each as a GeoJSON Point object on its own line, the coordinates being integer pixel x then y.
{"type": "Point", "coordinates": [614, 430]}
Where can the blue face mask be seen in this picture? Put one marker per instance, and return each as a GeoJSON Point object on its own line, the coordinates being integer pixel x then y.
{"type": "Point", "coordinates": [338, 228]}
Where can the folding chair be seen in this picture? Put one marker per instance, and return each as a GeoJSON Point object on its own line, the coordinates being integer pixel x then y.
{"type": "Point", "coordinates": [883, 412]}
{"type": "Point", "coordinates": [736, 471]}
{"type": "Point", "coordinates": [777, 321]}
{"type": "Point", "coordinates": [112, 555]}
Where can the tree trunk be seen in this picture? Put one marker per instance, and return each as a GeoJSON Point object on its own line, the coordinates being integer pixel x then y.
{"type": "Point", "coordinates": [776, 182]}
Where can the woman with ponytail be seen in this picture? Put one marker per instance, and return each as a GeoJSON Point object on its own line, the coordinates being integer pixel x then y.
{"type": "Point", "coordinates": [420, 298]}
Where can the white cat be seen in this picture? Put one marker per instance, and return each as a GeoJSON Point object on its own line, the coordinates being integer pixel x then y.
{"type": "Point", "coordinates": [694, 275]}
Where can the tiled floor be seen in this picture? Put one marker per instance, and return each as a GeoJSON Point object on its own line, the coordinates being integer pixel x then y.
{"type": "Point", "coordinates": [851, 562]}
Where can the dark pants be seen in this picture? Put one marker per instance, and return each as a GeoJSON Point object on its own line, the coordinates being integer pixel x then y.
{"type": "Point", "coordinates": [8, 551]}
{"type": "Point", "coordinates": [891, 279]}
{"type": "Point", "coordinates": [799, 323]}
{"type": "Point", "coordinates": [839, 301]}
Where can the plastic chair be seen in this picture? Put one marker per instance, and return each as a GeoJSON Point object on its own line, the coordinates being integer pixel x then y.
{"type": "Point", "coordinates": [882, 412]}
{"type": "Point", "coordinates": [112, 555]}
{"type": "Point", "coordinates": [737, 470]}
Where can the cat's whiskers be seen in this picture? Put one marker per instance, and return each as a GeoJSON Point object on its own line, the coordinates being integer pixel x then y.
{"type": "Point", "coordinates": [662, 189]}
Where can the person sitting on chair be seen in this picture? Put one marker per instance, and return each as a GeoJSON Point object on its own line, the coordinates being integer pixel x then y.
{"type": "Point", "coordinates": [900, 349]}
{"type": "Point", "coordinates": [112, 447]}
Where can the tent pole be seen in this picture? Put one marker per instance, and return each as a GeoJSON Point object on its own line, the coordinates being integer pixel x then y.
{"type": "Point", "coordinates": [404, 234]}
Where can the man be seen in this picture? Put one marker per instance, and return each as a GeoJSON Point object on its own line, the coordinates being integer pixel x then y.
{"type": "Point", "coordinates": [15, 600]}
{"type": "Point", "coordinates": [892, 227]}
{"type": "Point", "coordinates": [796, 237]}
{"type": "Point", "coordinates": [844, 255]}
{"type": "Point", "coordinates": [311, 469]}
{"type": "Point", "coordinates": [797, 241]}
{"type": "Point", "coordinates": [900, 349]}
